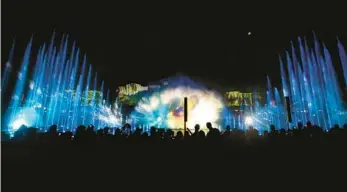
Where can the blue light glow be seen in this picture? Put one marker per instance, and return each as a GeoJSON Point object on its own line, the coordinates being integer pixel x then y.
{"type": "Point", "coordinates": [18, 123]}
{"type": "Point", "coordinates": [58, 91]}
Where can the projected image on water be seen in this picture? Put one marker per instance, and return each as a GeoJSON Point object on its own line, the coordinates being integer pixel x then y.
{"type": "Point", "coordinates": [165, 108]}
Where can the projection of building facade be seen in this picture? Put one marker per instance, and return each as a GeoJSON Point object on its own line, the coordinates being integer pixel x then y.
{"type": "Point", "coordinates": [237, 98]}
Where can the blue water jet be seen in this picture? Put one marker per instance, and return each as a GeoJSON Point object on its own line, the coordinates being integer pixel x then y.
{"type": "Point", "coordinates": [56, 90]}
{"type": "Point", "coordinates": [311, 83]}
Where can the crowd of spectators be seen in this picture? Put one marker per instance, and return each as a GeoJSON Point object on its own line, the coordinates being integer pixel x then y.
{"type": "Point", "coordinates": [230, 136]}
{"type": "Point", "coordinates": [130, 158]}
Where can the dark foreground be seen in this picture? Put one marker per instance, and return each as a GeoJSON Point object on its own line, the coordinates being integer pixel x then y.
{"type": "Point", "coordinates": [232, 160]}
{"type": "Point", "coordinates": [73, 166]}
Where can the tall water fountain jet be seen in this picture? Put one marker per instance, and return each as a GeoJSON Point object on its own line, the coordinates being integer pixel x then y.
{"type": "Point", "coordinates": [6, 73]}
{"type": "Point", "coordinates": [56, 90]}
{"type": "Point", "coordinates": [312, 86]}
{"type": "Point", "coordinates": [343, 59]}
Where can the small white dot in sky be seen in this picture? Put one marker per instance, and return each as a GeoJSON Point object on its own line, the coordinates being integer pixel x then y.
{"type": "Point", "coordinates": [249, 33]}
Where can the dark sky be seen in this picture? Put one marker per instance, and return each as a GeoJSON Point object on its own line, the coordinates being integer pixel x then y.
{"type": "Point", "coordinates": [146, 42]}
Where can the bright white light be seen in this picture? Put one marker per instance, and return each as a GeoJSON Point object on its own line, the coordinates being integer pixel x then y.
{"type": "Point", "coordinates": [203, 106]}
{"type": "Point", "coordinates": [112, 117]}
{"type": "Point", "coordinates": [31, 85]}
{"type": "Point", "coordinates": [38, 105]}
{"type": "Point", "coordinates": [26, 116]}
{"type": "Point", "coordinates": [249, 33]}
{"type": "Point", "coordinates": [20, 76]}
{"type": "Point", "coordinates": [248, 120]}
{"type": "Point", "coordinates": [39, 91]}
{"type": "Point", "coordinates": [18, 123]}
{"type": "Point", "coordinates": [309, 104]}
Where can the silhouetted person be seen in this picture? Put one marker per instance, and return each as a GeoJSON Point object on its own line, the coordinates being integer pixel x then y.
{"type": "Point", "coordinates": [138, 133]}
{"type": "Point", "coordinates": [195, 135]}
{"type": "Point", "coordinates": [273, 131]}
{"type": "Point", "coordinates": [251, 133]}
{"type": "Point", "coordinates": [126, 130]}
{"type": "Point", "coordinates": [213, 133]}
{"type": "Point", "coordinates": [196, 130]}
{"type": "Point", "coordinates": [202, 136]}
{"type": "Point", "coordinates": [53, 130]}
{"type": "Point", "coordinates": [90, 133]}
{"type": "Point", "coordinates": [80, 133]}
{"type": "Point", "coordinates": [179, 136]}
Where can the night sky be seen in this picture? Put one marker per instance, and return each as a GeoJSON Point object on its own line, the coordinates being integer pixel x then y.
{"type": "Point", "coordinates": [146, 42]}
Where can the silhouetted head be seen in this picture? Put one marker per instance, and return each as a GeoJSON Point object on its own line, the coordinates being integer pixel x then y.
{"type": "Point", "coordinates": [80, 129]}
{"type": "Point", "coordinates": [153, 129]}
{"type": "Point", "coordinates": [90, 128]}
{"type": "Point", "coordinates": [179, 135]}
{"type": "Point", "coordinates": [227, 128]}
{"type": "Point", "coordinates": [117, 132]}
{"type": "Point", "coordinates": [202, 134]}
{"type": "Point", "coordinates": [106, 130]}
{"type": "Point", "coordinates": [127, 126]}
{"type": "Point", "coordinates": [138, 131]}
{"type": "Point", "coordinates": [53, 129]}
{"type": "Point", "coordinates": [209, 125]}
{"type": "Point", "coordinates": [272, 128]}
{"type": "Point", "coordinates": [282, 131]}
{"type": "Point", "coordinates": [197, 127]}
{"type": "Point", "coordinates": [100, 132]}
{"type": "Point", "coordinates": [170, 132]}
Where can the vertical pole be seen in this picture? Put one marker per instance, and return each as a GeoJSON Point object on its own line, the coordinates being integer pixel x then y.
{"type": "Point", "coordinates": [185, 115]}
{"type": "Point", "coordinates": [289, 113]}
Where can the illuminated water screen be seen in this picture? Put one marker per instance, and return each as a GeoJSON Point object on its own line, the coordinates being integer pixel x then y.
{"type": "Point", "coordinates": [164, 107]}
{"type": "Point", "coordinates": [58, 88]}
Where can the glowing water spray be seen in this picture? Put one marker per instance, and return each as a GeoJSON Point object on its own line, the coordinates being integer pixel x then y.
{"type": "Point", "coordinates": [59, 91]}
